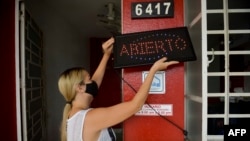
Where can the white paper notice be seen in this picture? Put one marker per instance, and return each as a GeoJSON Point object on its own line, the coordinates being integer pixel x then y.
{"type": "Point", "coordinates": [162, 109]}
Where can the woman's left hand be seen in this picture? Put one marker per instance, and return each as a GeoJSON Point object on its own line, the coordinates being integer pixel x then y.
{"type": "Point", "coordinates": [108, 46]}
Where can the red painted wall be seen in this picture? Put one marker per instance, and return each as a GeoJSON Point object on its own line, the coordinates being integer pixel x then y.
{"type": "Point", "coordinates": [154, 128]}
{"type": "Point", "coordinates": [108, 94]}
{"type": "Point", "coordinates": [7, 63]}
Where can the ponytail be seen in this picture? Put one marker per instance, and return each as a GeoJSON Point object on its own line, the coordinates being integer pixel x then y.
{"type": "Point", "coordinates": [63, 128]}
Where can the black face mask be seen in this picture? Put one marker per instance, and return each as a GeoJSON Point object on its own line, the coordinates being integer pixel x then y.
{"type": "Point", "coordinates": [92, 88]}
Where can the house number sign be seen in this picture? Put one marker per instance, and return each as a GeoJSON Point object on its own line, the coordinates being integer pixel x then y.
{"type": "Point", "coordinates": [154, 9]}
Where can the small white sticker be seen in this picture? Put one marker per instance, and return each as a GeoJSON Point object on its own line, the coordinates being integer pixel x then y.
{"type": "Point", "coordinates": [158, 84]}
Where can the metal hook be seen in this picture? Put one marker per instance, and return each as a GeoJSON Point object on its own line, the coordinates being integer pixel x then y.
{"type": "Point", "coordinates": [211, 60]}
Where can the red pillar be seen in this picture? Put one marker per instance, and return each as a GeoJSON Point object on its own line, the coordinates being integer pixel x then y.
{"type": "Point", "coordinates": [7, 61]}
{"type": "Point", "coordinates": [154, 128]}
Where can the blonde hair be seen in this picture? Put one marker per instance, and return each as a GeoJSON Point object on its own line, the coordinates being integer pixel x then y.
{"type": "Point", "coordinates": [67, 83]}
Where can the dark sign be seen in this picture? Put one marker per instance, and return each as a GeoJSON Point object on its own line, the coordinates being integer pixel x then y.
{"type": "Point", "coordinates": [152, 9]}
{"type": "Point", "coordinates": [144, 48]}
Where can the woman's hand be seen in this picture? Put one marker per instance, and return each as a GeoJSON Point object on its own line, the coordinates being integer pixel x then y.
{"type": "Point", "coordinates": [162, 64]}
{"type": "Point", "coordinates": [108, 46]}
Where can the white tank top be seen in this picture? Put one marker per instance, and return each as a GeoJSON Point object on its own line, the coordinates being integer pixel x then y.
{"type": "Point", "coordinates": [75, 127]}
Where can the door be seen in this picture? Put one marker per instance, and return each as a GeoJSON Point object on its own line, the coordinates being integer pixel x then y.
{"type": "Point", "coordinates": [33, 114]}
{"type": "Point", "coordinates": [226, 81]}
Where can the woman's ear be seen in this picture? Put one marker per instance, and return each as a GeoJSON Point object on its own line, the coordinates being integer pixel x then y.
{"type": "Point", "coordinates": [80, 88]}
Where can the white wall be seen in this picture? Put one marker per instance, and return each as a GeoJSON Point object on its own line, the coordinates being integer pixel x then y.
{"type": "Point", "coordinates": [64, 47]}
{"type": "Point", "coordinates": [193, 73]}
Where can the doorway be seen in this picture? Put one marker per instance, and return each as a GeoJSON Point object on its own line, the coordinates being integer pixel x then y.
{"type": "Point", "coordinates": [227, 73]}
{"type": "Point", "coordinates": [33, 100]}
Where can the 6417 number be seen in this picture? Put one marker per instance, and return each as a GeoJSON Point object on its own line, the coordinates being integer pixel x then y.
{"type": "Point", "coordinates": [152, 9]}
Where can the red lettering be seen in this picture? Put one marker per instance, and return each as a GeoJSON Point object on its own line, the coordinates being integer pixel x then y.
{"type": "Point", "coordinates": [159, 45]}
{"type": "Point", "coordinates": [169, 41]}
{"type": "Point", "coordinates": [153, 47]}
{"type": "Point", "coordinates": [124, 50]}
{"type": "Point", "coordinates": [180, 44]}
{"type": "Point", "coordinates": [150, 48]}
{"type": "Point", "coordinates": [142, 47]}
{"type": "Point", "coordinates": [134, 49]}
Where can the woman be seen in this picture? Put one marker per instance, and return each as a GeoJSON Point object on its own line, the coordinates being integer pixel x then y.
{"type": "Point", "coordinates": [82, 123]}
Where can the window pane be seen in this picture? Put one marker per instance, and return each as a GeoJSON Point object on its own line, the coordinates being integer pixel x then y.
{"type": "Point", "coordinates": [239, 84]}
{"type": "Point", "coordinates": [218, 64]}
{"type": "Point", "coordinates": [246, 88]}
{"type": "Point", "coordinates": [215, 126]}
{"type": "Point", "coordinates": [238, 4]}
{"type": "Point", "coordinates": [238, 106]}
{"type": "Point", "coordinates": [214, 4]}
{"type": "Point", "coordinates": [239, 121]}
{"type": "Point", "coordinates": [239, 42]}
{"type": "Point", "coordinates": [215, 41]}
{"type": "Point", "coordinates": [216, 84]}
{"type": "Point", "coordinates": [215, 105]}
{"type": "Point", "coordinates": [215, 21]}
{"type": "Point", "coordinates": [239, 63]}
{"type": "Point", "coordinates": [234, 19]}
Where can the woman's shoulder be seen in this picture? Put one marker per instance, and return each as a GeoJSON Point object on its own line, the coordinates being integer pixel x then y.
{"type": "Point", "coordinates": [81, 113]}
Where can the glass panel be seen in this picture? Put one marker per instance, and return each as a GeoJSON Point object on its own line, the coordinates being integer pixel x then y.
{"type": "Point", "coordinates": [28, 82]}
{"type": "Point", "coordinates": [238, 105]}
{"type": "Point", "coordinates": [36, 49]}
{"type": "Point", "coordinates": [35, 59]}
{"type": "Point", "coordinates": [215, 41]}
{"type": "Point", "coordinates": [216, 84]}
{"type": "Point", "coordinates": [239, 63]}
{"type": "Point", "coordinates": [34, 70]}
{"type": "Point", "coordinates": [246, 87]}
{"type": "Point", "coordinates": [34, 36]}
{"type": "Point", "coordinates": [27, 55]}
{"type": "Point", "coordinates": [214, 4]}
{"type": "Point", "coordinates": [215, 126]}
{"type": "Point", "coordinates": [27, 42]}
{"type": "Point", "coordinates": [218, 64]}
{"type": "Point", "coordinates": [238, 4]}
{"type": "Point", "coordinates": [36, 83]}
{"type": "Point", "coordinates": [243, 121]}
{"type": "Point", "coordinates": [239, 42]}
{"type": "Point", "coordinates": [215, 105]}
{"type": "Point", "coordinates": [35, 105]}
{"type": "Point", "coordinates": [239, 84]}
{"type": "Point", "coordinates": [215, 21]}
{"type": "Point", "coordinates": [234, 19]}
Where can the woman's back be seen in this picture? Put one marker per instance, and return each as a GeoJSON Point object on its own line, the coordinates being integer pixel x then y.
{"type": "Point", "coordinates": [75, 128]}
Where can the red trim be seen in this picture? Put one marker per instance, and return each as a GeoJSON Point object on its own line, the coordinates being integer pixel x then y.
{"type": "Point", "coordinates": [7, 62]}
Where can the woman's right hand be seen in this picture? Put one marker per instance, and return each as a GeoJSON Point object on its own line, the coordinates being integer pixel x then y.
{"type": "Point", "coordinates": [107, 46]}
{"type": "Point", "coordinates": [161, 64]}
